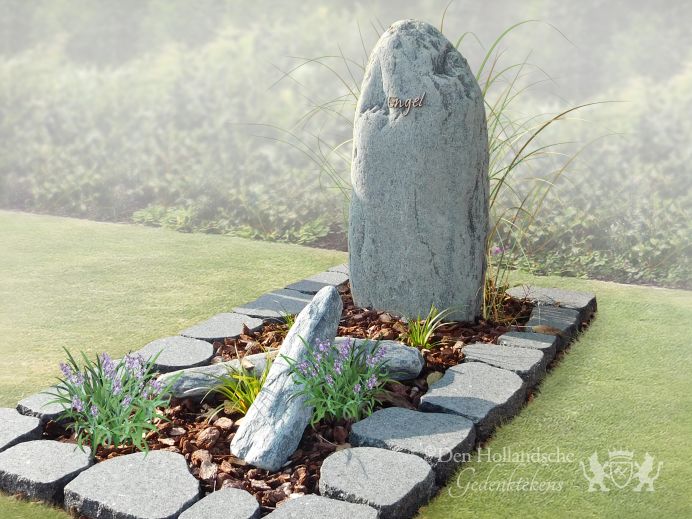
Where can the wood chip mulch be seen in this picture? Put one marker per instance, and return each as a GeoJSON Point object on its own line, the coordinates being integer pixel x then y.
{"type": "Point", "coordinates": [205, 442]}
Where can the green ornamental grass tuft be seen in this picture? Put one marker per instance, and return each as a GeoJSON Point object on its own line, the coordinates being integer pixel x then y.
{"type": "Point", "coordinates": [239, 388]}
{"type": "Point", "coordinates": [341, 381]}
{"type": "Point", "coordinates": [111, 404]}
{"type": "Point", "coordinates": [421, 331]}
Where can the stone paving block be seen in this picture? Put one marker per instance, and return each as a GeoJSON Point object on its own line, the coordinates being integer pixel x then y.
{"type": "Point", "coordinates": [529, 364]}
{"type": "Point", "coordinates": [222, 326]}
{"type": "Point", "coordinates": [275, 305]}
{"type": "Point", "coordinates": [313, 284]}
{"type": "Point", "coordinates": [317, 507]}
{"type": "Point", "coordinates": [38, 405]}
{"type": "Point", "coordinates": [158, 485]}
{"type": "Point", "coordinates": [17, 428]}
{"type": "Point", "coordinates": [40, 469]}
{"type": "Point", "coordinates": [484, 394]}
{"type": "Point", "coordinates": [538, 341]}
{"type": "Point", "coordinates": [564, 319]}
{"type": "Point", "coordinates": [226, 503]}
{"type": "Point", "coordinates": [343, 268]}
{"type": "Point", "coordinates": [178, 352]}
{"type": "Point", "coordinates": [394, 483]}
{"type": "Point", "coordinates": [583, 302]}
{"type": "Point", "coordinates": [441, 439]}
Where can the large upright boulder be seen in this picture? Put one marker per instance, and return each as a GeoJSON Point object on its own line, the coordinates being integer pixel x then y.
{"type": "Point", "coordinates": [275, 422]}
{"type": "Point", "coordinates": [419, 208]}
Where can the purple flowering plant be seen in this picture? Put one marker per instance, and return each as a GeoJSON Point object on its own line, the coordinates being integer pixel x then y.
{"type": "Point", "coordinates": [110, 403]}
{"type": "Point", "coordinates": [341, 381]}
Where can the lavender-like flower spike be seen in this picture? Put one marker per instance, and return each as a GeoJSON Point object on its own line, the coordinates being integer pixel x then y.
{"type": "Point", "coordinates": [156, 387]}
{"type": "Point", "coordinates": [127, 401]}
{"type": "Point", "coordinates": [94, 411]}
{"type": "Point", "coordinates": [77, 379]}
{"type": "Point", "coordinates": [77, 404]}
{"type": "Point", "coordinates": [66, 370]}
{"type": "Point", "coordinates": [117, 386]}
{"type": "Point", "coordinates": [372, 382]}
{"type": "Point", "coordinates": [345, 347]}
{"type": "Point", "coordinates": [357, 388]}
{"type": "Point", "coordinates": [107, 365]}
{"type": "Point", "coordinates": [322, 346]}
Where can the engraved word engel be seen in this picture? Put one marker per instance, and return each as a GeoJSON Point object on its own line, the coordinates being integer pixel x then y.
{"type": "Point", "coordinates": [407, 104]}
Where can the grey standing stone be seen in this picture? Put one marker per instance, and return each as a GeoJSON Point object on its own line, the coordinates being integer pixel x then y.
{"type": "Point", "coordinates": [135, 486]}
{"type": "Point", "coordinates": [564, 319]}
{"type": "Point", "coordinates": [222, 326]}
{"type": "Point", "coordinates": [226, 503]}
{"type": "Point", "coordinates": [16, 428]}
{"type": "Point", "coordinates": [484, 394]}
{"type": "Point", "coordinates": [318, 507]}
{"type": "Point", "coordinates": [40, 469]}
{"type": "Point", "coordinates": [177, 352]}
{"type": "Point", "coordinates": [419, 207]}
{"type": "Point", "coordinates": [529, 364]}
{"type": "Point", "coordinates": [315, 283]}
{"type": "Point", "coordinates": [343, 268]}
{"type": "Point", "coordinates": [275, 305]}
{"type": "Point", "coordinates": [538, 341]}
{"type": "Point", "coordinates": [583, 302]}
{"type": "Point", "coordinates": [403, 362]}
{"type": "Point", "coordinates": [394, 483]}
{"type": "Point", "coordinates": [39, 405]}
{"type": "Point", "coordinates": [275, 422]}
{"type": "Point", "coordinates": [196, 382]}
{"type": "Point", "coordinates": [440, 439]}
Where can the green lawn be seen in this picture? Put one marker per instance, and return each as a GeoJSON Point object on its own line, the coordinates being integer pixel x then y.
{"type": "Point", "coordinates": [105, 287]}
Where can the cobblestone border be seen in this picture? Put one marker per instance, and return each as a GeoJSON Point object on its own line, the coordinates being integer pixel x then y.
{"type": "Point", "coordinates": [462, 408]}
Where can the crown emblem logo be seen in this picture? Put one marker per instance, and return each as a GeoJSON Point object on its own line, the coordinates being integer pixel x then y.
{"type": "Point", "coordinates": [621, 454]}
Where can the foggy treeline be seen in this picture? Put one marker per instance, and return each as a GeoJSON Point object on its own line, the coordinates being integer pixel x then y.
{"type": "Point", "coordinates": [175, 113]}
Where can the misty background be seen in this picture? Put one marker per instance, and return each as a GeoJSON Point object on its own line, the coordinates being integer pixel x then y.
{"type": "Point", "coordinates": [189, 115]}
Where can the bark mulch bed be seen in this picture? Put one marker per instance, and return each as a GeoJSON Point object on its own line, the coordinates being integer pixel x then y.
{"type": "Point", "coordinates": [205, 442]}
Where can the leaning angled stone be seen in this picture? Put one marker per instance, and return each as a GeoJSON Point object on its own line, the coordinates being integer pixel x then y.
{"type": "Point", "coordinates": [394, 483]}
{"type": "Point", "coordinates": [565, 320]}
{"type": "Point", "coordinates": [343, 268]}
{"type": "Point", "coordinates": [196, 382]}
{"type": "Point", "coordinates": [39, 405]}
{"type": "Point", "coordinates": [275, 422]}
{"type": "Point", "coordinates": [222, 326]}
{"type": "Point", "coordinates": [226, 503]}
{"type": "Point", "coordinates": [16, 428]}
{"type": "Point", "coordinates": [40, 469]}
{"type": "Point", "coordinates": [403, 362]}
{"type": "Point", "coordinates": [529, 364]}
{"type": "Point", "coordinates": [440, 439]}
{"type": "Point", "coordinates": [275, 305]}
{"type": "Point", "coordinates": [313, 284]}
{"type": "Point", "coordinates": [484, 394]}
{"type": "Point", "coordinates": [135, 486]}
{"type": "Point", "coordinates": [583, 302]}
{"type": "Point", "coordinates": [178, 352]}
{"type": "Point", "coordinates": [537, 341]}
{"type": "Point", "coordinates": [419, 172]}
{"type": "Point", "coordinates": [317, 507]}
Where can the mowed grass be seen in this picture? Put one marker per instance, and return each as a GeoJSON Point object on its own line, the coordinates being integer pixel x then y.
{"type": "Point", "coordinates": [105, 287]}
{"type": "Point", "coordinates": [625, 385]}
